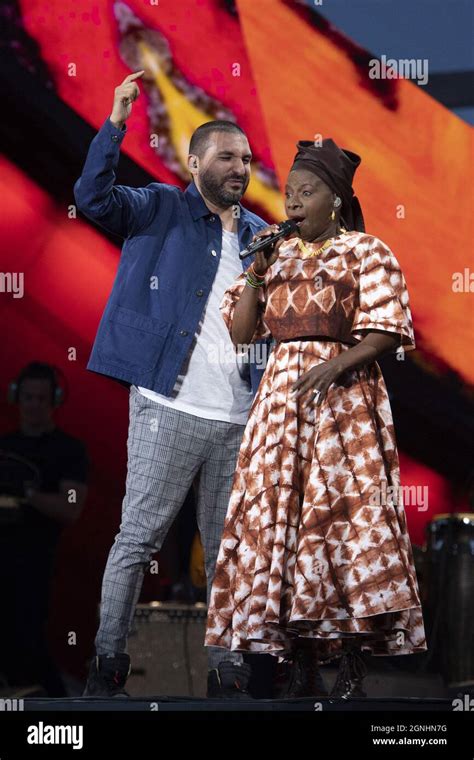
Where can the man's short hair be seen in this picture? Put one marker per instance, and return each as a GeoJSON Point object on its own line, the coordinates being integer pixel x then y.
{"type": "Point", "coordinates": [37, 371]}
{"type": "Point", "coordinates": [201, 136]}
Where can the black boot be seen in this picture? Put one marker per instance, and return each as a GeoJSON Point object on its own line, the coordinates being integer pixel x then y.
{"type": "Point", "coordinates": [299, 676]}
{"type": "Point", "coordinates": [352, 671]}
{"type": "Point", "coordinates": [229, 680]}
{"type": "Point", "coordinates": [107, 676]}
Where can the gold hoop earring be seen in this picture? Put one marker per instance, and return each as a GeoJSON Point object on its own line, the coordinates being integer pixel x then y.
{"type": "Point", "coordinates": [333, 215]}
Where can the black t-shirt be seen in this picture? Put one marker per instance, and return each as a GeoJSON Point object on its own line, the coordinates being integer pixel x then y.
{"type": "Point", "coordinates": [57, 456]}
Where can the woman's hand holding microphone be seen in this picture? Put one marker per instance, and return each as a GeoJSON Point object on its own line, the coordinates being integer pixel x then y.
{"type": "Point", "coordinates": [264, 259]}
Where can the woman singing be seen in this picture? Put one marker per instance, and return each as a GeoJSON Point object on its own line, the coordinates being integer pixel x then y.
{"type": "Point", "coordinates": [315, 561]}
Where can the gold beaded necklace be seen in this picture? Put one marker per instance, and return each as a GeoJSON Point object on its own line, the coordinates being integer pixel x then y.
{"type": "Point", "coordinates": [309, 254]}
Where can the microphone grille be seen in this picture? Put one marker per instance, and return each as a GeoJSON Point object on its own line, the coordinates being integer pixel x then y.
{"type": "Point", "coordinates": [289, 226]}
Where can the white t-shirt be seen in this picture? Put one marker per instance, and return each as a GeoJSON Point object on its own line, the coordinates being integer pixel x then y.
{"type": "Point", "coordinates": [212, 384]}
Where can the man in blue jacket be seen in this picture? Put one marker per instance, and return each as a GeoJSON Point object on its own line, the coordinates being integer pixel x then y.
{"type": "Point", "coordinates": [159, 329]}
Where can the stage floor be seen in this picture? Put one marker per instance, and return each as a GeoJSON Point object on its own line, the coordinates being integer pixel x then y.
{"type": "Point", "coordinates": [161, 703]}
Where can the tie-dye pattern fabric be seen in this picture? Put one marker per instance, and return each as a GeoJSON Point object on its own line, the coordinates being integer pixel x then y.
{"type": "Point", "coordinates": [313, 545]}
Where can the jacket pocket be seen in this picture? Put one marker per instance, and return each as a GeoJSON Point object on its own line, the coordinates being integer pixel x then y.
{"type": "Point", "coordinates": [131, 339]}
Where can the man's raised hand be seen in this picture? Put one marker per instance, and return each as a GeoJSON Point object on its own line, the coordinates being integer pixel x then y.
{"type": "Point", "coordinates": [124, 96]}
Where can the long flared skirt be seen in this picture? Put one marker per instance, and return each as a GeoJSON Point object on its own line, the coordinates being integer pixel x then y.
{"type": "Point", "coordinates": [315, 542]}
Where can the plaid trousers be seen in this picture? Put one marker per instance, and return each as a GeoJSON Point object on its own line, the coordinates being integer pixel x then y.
{"type": "Point", "coordinates": [166, 449]}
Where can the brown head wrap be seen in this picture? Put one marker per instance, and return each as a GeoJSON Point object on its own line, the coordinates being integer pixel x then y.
{"type": "Point", "coordinates": [336, 167]}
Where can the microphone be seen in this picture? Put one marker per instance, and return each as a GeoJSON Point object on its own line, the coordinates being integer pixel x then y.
{"type": "Point", "coordinates": [284, 229]}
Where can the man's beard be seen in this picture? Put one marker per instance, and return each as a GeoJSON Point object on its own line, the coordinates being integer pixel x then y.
{"type": "Point", "coordinates": [214, 190]}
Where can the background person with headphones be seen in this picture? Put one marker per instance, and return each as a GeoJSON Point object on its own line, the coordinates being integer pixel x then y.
{"type": "Point", "coordinates": [46, 506]}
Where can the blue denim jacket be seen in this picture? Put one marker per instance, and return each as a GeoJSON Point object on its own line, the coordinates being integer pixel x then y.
{"type": "Point", "coordinates": [167, 266]}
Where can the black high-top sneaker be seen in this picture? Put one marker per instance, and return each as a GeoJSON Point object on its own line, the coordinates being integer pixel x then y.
{"type": "Point", "coordinates": [352, 671]}
{"type": "Point", "coordinates": [229, 680]}
{"type": "Point", "coordinates": [107, 676]}
{"type": "Point", "coordinates": [299, 676]}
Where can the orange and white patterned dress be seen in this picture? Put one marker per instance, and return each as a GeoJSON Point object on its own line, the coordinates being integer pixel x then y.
{"type": "Point", "coordinates": [307, 550]}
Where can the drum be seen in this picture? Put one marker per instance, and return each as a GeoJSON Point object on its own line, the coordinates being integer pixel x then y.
{"type": "Point", "coordinates": [449, 565]}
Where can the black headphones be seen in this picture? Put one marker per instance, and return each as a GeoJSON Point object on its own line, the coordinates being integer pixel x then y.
{"type": "Point", "coordinates": [39, 371]}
